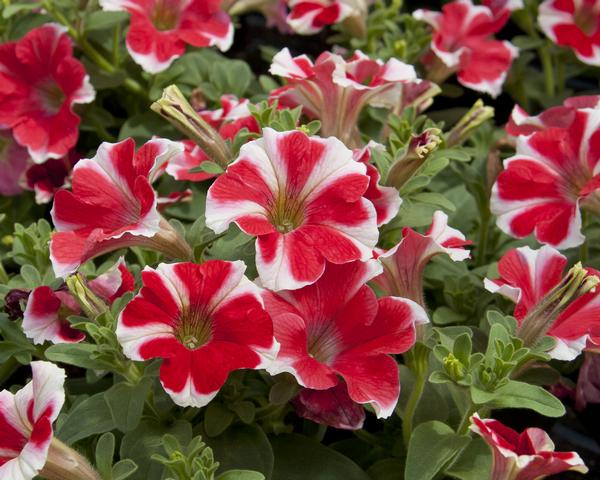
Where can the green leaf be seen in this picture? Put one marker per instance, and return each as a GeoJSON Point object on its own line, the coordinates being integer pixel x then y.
{"type": "Point", "coordinates": [77, 354]}
{"type": "Point", "coordinates": [241, 475]}
{"type": "Point", "coordinates": [141, 443]}
{"type": "Point", "coordinates": [89, 417]}
{"type": "Point", "coordinates": [123, 469]}
{"type": "Point", "coordinates": [105, 451]}
{"type": "Point", "coordinates": [432, 446]}
{"type": "Point", "coordinates": [126, 403]}
{"type": "Point", "coordinates": [216, 419]}
{"type": "Point", "coordinates": [10, 10]}
{"type": "Point", "coordinates": [207, 167]}
{"type": "Point", "coordinates": [299, 458]}
{"type": "Point", "coordinates": [244, 447]}
{"type": "Point", "coordinates": [516, 394]}
{"type": "Point", "coordinates": [444, 316]}
{"type": "Point", "coordinates": [101, 20]}
{"type": "Point", "coordinates": [474, 463]}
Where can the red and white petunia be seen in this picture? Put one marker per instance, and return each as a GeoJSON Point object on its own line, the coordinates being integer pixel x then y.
{"type": "Point", "coordinates": [528, 455]}
{"type": "Point", "coordinates": [527, 276]}
{"type": "Point", "coordinates": [403, 265]}
{"type": "Point", "coordinates": [335, 90]}
{"type": "Point", "coordinates": [26, 419]}
{"type": "Point", "coordinates": [47, 311]}
{"type": "Point", "coordinates": [561, 116]}
{"type": "Point", "coordinates": [40, 82]}
{"type": "Point", "coordinates": [173, 198]}
{"type": "Point", "coordinates": [311, 16]}
{"type": "Point", "coordinates": [463, 43]}
{"type": "Point", "coordinates": [160, 29]}
{"type": "Point", "coordinates": [192, 157]}
{"type": "Point", "coordinates": [338, 328]}
{"type": "Point", "coordinates": [204, 321]}
{"type": "Point", "coordinates": [552, 174]}
{"type": "Point", "coordinates": [112, 205]}
{"type": "Point", "coordinates": [386, 200]}
{"type": "Point", "coordinates": [14, 160]}
{"type": "Point", "coordinates": [303, 198]}
{"type": "Point", "coordinates": [574, 24]}
{"type": "Point", "coordinates": [232, 117]}
{"type": "Point", "coordinates": [332, 407]}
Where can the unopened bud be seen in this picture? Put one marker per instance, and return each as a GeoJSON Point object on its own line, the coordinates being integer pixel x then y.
{"type": "Point", "coordinates": [64, 463]}
{"type": "Point", "coordinates": [454, 367]}
{"type": "Point", "coordinates": [176, 109]}
{"type": "Point", "coordinates": [536, 324]}
{"type": "Point", "coordinates": [478, 114]}
{"type": "Point", "coordinates": [90, 303]}
{"type": "Point", "coordinates": [420, 148]}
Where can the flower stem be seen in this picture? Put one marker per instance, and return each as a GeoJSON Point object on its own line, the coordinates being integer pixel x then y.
{"type": "Point", "coordinates": [418, 361]}
{"type": "Point", "coordinates": [548, 68]}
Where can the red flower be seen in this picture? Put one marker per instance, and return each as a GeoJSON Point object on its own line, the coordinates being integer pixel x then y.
{"type": "Point", "coordinates": [338, 328]}
{"type": "Point", "coordinates": [45, 317]}
{"type": "Point", "coordinates": [386, 200]}
{"type": "Point", "coordinates": [26, 419]}
{"type": "Point", "coordinates": [574, 24]}
{"type": "Point", "coordinates": [112, 205]}
{"type": "Point", "coordinates": [310, 16]}
{"type": "Point", "coordinates": [40, 81]}
{"type": "Point", "coordinates": [45, 179]}
{"type": "Point", "coordinates": [553, 172]}
{"type": "Point", "coordinates": [13, 164]}
{"type": "Point", "coordinates": [203, 320]}
{"type": "Point", "coordinates": [463, 42]}
{"type": "Point", "coordinates": [335, 90]}
{"type": "Point", "coordinates": [528, 455]}
{"type": "Point", "coordinates": [303, 197]}
{"type": "Point", "coordinates": [160, 29]}
{"type": "Point", "coordinates": [520, 123]}
{"type": "Point", "coordinates": [526, 276]}
{"type": "Point", "coordinates": [332, 407]}
{"type": "Point", "coordinates": [403, 265]}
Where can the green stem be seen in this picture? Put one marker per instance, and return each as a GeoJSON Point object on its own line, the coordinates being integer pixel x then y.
{"type": "Point", "coordinates": [584, 248]}
{"type": "Point", "coordinates": [548, 68]}
{"type": "Point", "coordinates": [463, 427]}
{"type": "Point", "coordinates": [411, 407]}
{"type": "Point", "coordinates": [484, 228]}
{"type": "Point", "coordinates": [7, 369]}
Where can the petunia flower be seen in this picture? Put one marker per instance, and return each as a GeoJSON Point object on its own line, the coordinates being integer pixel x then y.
{"type": "Point", "coordinates": [528, 455]}
{"type": "Point", "coordinates": [552, 174]}
{"type": "Point", "coordinates": [303, 198]}
{"type": "Point", "coordinates": [403, 264]}
{"type": "Point", "coordinates": [574, 24]}
{"type": "Point", "coordinates": [561, 116]}
{"type": "Point", "coordinates": [308, 17]}
{"type": "Point", "coordinates": [27, 444]}
{"type": "Point", "coordinates": [160, 29]}
{"type": "Point", "coordinates": [45, 179]}
{"type": "Point", "coordinates": [386, 200]}
{"type": "Point", "coordinates": [204, 321]}
{"type": "Point", "coordinates": [588, 381]}
{"type": "Point", "coordinates": [14, 160]}
{"type": "Point", "coordinates": [338, 328]}
{"type": "Point", "coordinates": [548, 302]}
{"type": "Point", "coordinates": [463, 43]}
{"type": "Point", "coordinates": [335, 90]}
{"type": "Point", "coordinates": [112, 205]}
{"type": "Point", "coordinates": [332, 407]}
{"type": "Point", "coordinates": [40, 82]}
{"type": "Point", "coordinates": [47, 311]}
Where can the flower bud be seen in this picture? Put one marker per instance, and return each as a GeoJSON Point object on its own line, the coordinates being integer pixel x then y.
{"type": "Point", "coordinates": [13, 303]}
{"type": "Point", "coordinates": [478, 114]}
{"type": "Point", "coordinates": [90, 303]}
{"type": "Point", "coordinates": [420, 148]}
{"type": "Point", "coordinates": [64, 463]}
{"type": "Point", "coordinates": [454, 367]}
{"type": "Point", "coordinates": [536, 324]}
{"type": "Point", "coordinates": [176, 109]}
